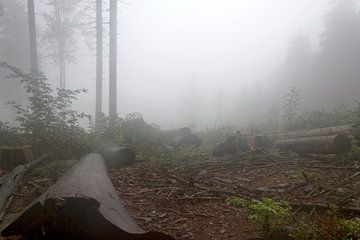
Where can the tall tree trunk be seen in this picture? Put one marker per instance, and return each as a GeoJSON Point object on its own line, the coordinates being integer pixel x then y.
{"type": "Point", "coordinates": [112, 70]}
{"type": "Point", "coordinates": [32, 38]}
{"type": "Point", "coordinates": [99, 63]}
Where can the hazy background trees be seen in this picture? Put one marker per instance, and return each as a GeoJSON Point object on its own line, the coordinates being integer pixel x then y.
{"type": "Point", "coordinates": [243, 61]}
{"type": "Point", "coordinates": [63, 22]}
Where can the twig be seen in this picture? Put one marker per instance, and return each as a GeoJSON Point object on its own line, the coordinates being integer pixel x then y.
{"type": "Point", "coordinates": [349, 197]}
{"type": "Point", "coordinates": [343, 182]}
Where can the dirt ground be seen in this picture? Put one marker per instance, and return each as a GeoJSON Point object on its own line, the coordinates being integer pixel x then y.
{"type": "Point", "coordinates": [185, 196]}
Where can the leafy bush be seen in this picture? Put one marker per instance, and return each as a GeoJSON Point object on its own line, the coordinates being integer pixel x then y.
{"type": "Point", "coordinates": [48, 122]}
{"type": "Point", "coordinates": [350, 228]}
{"type": "Point", "coordinates": [131, 131]}
{"type": "Point", "coordinates": [268, 212]}
{"type": "Point", "coordinates": [9, 135]}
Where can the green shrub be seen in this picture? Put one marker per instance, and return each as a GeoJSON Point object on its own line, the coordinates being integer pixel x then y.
{"type": "Point", "coordinates": [237, 202]}
{"type": "Point", "coordinates": [350, 229]}
{"type": "Point", "coordinates": [268, 212]}
{"type": "Point", "coordinates": [47, 122]}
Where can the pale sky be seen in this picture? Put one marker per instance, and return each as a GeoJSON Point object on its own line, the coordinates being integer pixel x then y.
{"type": "Point", "coordinates": [167, 47]}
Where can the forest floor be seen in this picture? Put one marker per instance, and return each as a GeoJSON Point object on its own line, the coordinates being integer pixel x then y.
{"type": "Point", "coordinates": [185, 196]}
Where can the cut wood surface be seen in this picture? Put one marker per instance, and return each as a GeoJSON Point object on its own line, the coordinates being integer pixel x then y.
{"type": "Point", "coordinates": [10, 182]}
{"type": "Point", "coordinates": [83, 204]}
{"type": "Point", "coordinates": [334, 144]}
{"type": "Point", "coordinates": [318, 132]}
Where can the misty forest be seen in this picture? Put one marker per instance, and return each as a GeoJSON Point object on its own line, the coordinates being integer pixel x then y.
{"type": "Point", "coordinates": [192, 119]}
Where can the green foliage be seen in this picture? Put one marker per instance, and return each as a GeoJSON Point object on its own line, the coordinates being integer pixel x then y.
{"type": "Point", "coordinates": [8, 135]}
{"type": "Point", "coordinates": [350, 228]}
{"type": "Point", "coordinates": [132, 131]}
{"type": "Point", "coordinates": [268, 212]}
{"type": "Point", "coordinates": [237, 202]}
{"type": "Point", "coordinates": [48, 122]}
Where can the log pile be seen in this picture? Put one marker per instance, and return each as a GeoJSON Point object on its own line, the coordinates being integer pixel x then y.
{"type": "Point", "coordinates": [83, 204]}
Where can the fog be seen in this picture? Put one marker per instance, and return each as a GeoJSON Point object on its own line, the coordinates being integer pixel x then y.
{"type": "Point", "coordinates": [204, 63]}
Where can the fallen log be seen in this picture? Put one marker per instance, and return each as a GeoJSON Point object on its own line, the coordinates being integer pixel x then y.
{"type": "Point", "coordinates": [83, 204]}
{"type": "Point", "coordinates": [334, 144]}
{"type": "Point", "coordinates": [318, 132]}
{"type": "Point", "coordinates": [11, 181]}
{"type": "Point", "coordinates": [117, 156]}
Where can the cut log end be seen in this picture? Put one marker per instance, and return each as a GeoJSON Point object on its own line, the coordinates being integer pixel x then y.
{"type": "Point", "coordinates": [342, 144]}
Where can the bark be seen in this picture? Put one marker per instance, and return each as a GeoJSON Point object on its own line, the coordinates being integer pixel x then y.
{"type": "Point", "coordinates": [117, 156]}
{"type": "Point", "coordinates": [334, 144]}
{"type": "Point", "coordinates": [32, 38]}
{"type": "Point", "coordinates": [11, 182]}
{"type": "Point", "coordinates": [83, 204]}
{"type": "Point", "coordinates": [113, 64]}
{"type": "Point", "coordinates": [344, 130]}
{"type": "Point", "coordinates": [99, 63]}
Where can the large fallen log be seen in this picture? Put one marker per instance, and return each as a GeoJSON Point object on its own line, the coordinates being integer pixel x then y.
{"type": "Point", "coordinates": [117, 156]}
{"type": "Point", "coordinates": [11, 181]}
{"type": "Point", "coordinates": [334, 144]}
{"type": "Point", "coordinates": [318, 132]}
{"type": "Point", "coordinates": [83, 204]}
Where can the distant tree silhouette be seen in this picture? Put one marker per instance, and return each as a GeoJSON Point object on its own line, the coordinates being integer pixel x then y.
{"type": "Point", "coordinates": [338, 62]}
{"type": "Point", "coordinates": [63, 22]}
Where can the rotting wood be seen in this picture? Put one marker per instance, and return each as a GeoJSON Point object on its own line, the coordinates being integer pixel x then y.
{"type": "Point", "coordinates": [334, 144]}
{"type": "Point", "coordinates": [11, 181]}
{"type": "Point", "coordinates": [83, 204]}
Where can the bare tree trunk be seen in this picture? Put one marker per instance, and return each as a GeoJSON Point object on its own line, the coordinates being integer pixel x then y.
{"type": "Point", "coordinates": [112, 70]}
{"type": "Point", "coordinates": [99, 63]}
{"type": "Point", "coordinates": [32, 38]}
